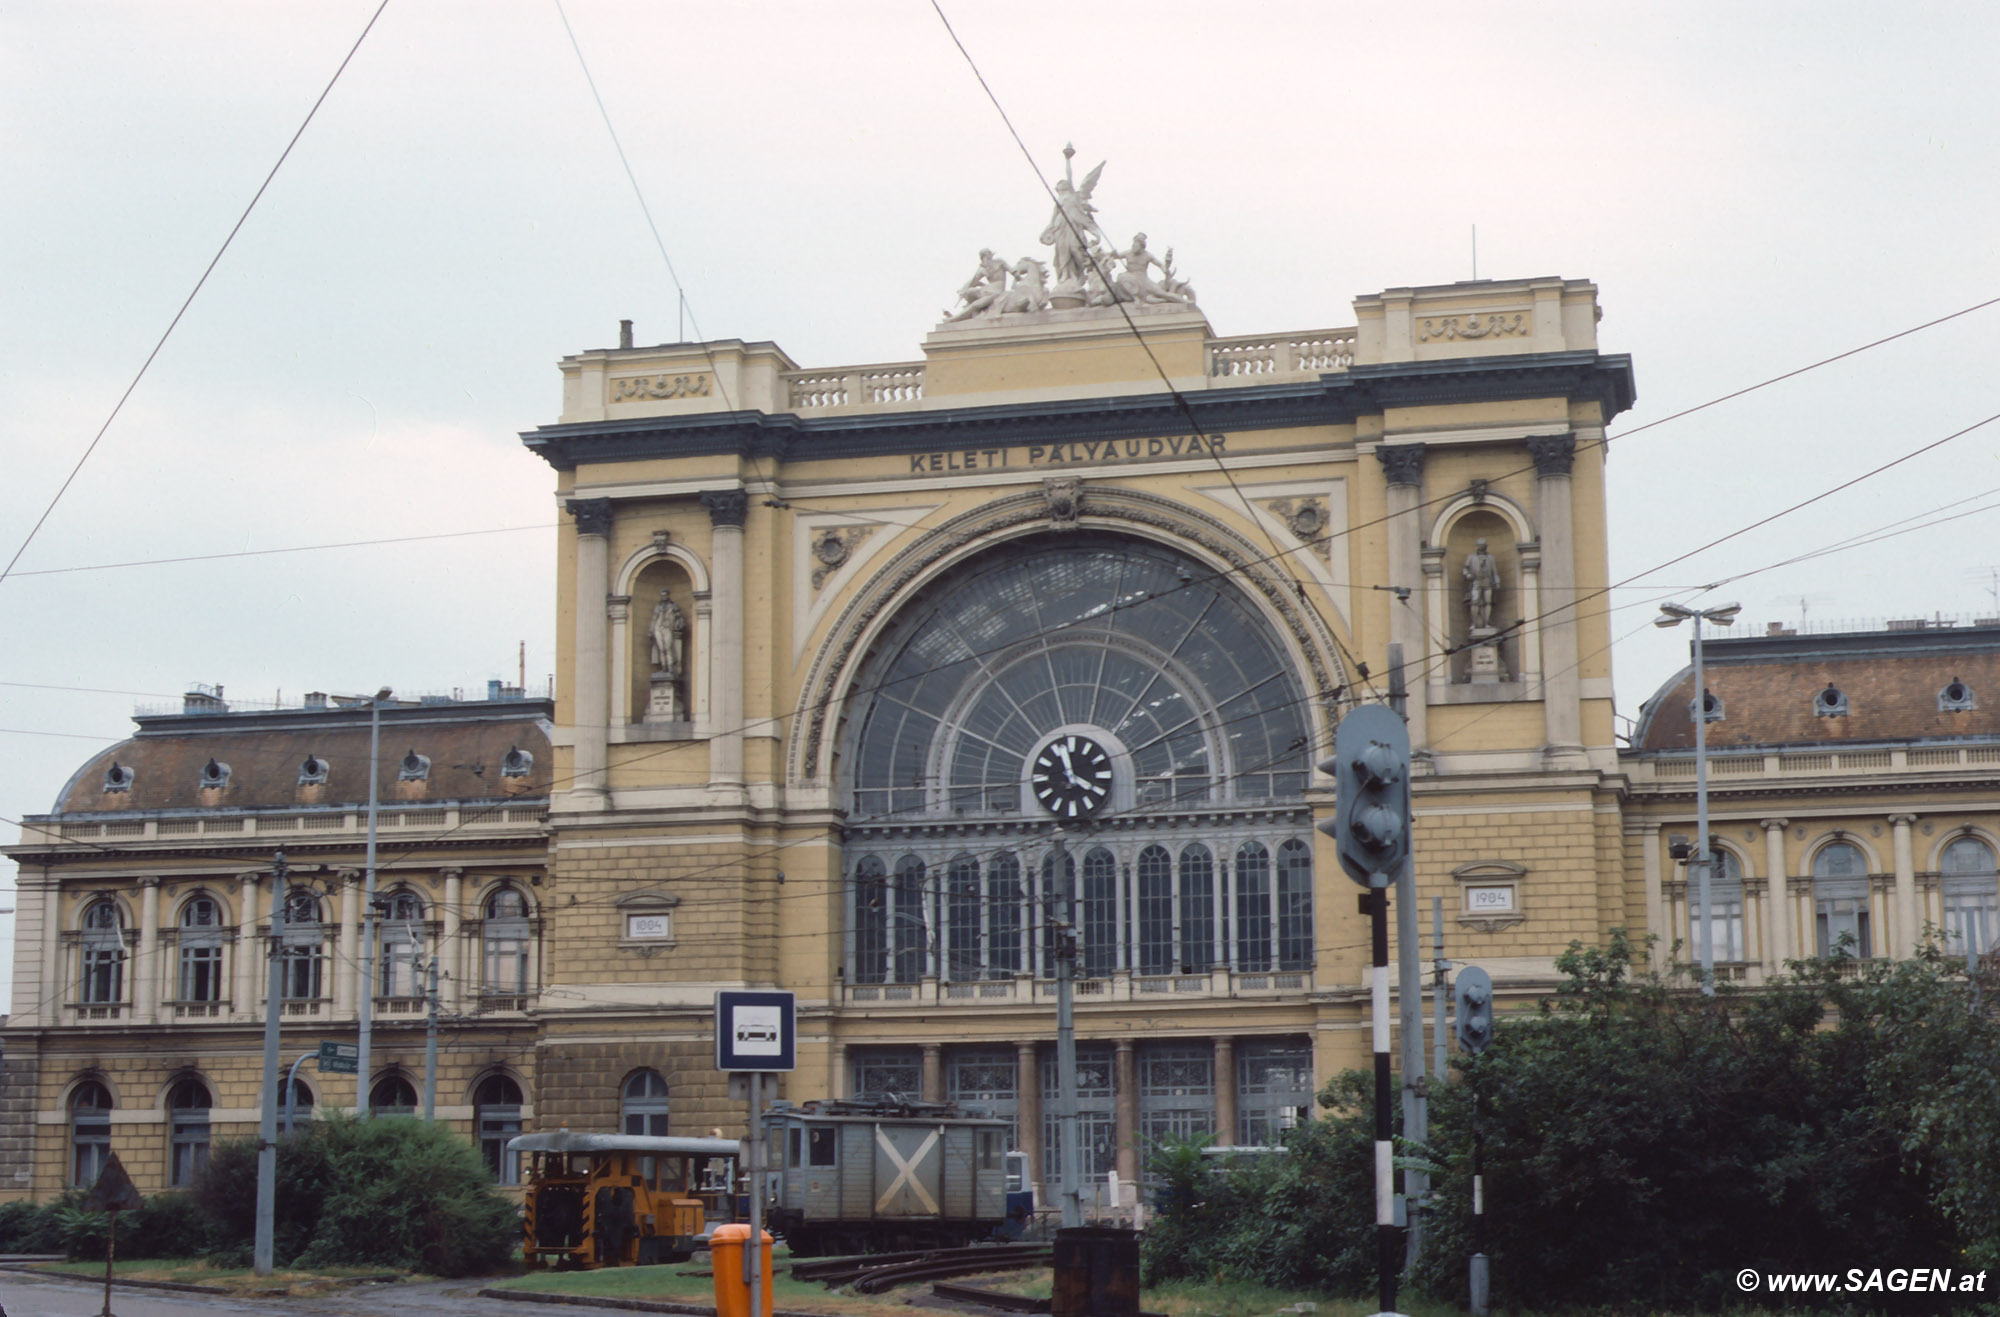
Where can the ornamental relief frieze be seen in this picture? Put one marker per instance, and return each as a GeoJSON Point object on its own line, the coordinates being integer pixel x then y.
{"type": "Point", "coordinates": [832, 549]}
{"type": "Point", "coordinates": [1499, 324]}
{"type": "Point", "coordinates": [1104, 507]}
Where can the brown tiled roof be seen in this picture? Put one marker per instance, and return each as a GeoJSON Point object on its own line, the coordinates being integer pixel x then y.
{"type": "Point", "coordinates": [466, 745]}
{"type": "Point", "coordinates": [1891, 681]}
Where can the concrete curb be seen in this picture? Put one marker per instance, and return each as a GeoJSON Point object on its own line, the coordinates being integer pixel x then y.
{"type": "Point", "coordinates": [626, 1305]}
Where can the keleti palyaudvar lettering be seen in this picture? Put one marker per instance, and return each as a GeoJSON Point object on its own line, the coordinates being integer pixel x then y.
{"type": "Point", "coordinates": [1081, 451]}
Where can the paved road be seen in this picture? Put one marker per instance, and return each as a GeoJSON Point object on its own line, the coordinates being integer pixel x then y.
{"type": "Point", "coordinates": [36, 1296]}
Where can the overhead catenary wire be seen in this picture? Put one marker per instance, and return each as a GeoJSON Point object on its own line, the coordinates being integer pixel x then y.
{"type": "Point", "coordinates": [199, 283]}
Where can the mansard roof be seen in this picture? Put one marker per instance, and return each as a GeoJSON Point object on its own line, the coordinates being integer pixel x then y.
{"type": "Point", "coordinates": [1871, 687]}
{"type": "Point", "coordinates": [265, 759]}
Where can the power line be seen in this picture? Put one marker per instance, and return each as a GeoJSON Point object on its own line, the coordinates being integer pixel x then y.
{"type": "Point", "coordinates": [192, 293]}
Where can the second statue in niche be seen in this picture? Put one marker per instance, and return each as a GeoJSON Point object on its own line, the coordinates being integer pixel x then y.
{"type": "Point", "coordinates": [1482, 586]}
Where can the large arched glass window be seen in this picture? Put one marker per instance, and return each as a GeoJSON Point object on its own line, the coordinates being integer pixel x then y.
{"type": "Point", "coordinates": [1971, 896]}
{"type": "Point", "coordinates": [1156, 911]}
{"type": "Point", "coordinates": [643, 1108]}
{"type": "Point", "coordinates": [187, 1113]}
{"type": "Point", "coordinates": [871, 920]}
{"type": "Point", "coordinates": [962, 888]}
{"type": "Point", "coordinates": [199, 979]}
{"type": "Point", "coordinates": [908, 930]}
{"type": "Point", "coordinates": [504, 939]}
{"type": "Point", "coordinates": [1840, 899]}
{"type": "Point", "coordinates": [1253, 908]}
{"type": "Point", "coordinates": [402, 945]}
{"type": "Point", "coordinates": [103, 979]}
{"type": "Point", "coordinates": [89, 1132]}
{"type": "Point", "coordinates": [496, 1106]}
{"type": "Point", "coordinates": [1295, 906]}
{"type": "Point", "coordinates": [1004, 896]}
{"type": "Point", "coordinates": [1148, 652]}
{"type": "Point", "coordinates": [1099, 924]}
{"type": "Point", "coordinates": [304, 945]}
{"type": "Point", "coordinates": [1198, 926]}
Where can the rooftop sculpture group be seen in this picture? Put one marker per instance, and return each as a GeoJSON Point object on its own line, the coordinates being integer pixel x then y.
{"type": "Point", "coordinates": [1087, 265]}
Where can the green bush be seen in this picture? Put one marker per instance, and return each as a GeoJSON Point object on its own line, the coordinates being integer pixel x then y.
{"type": "Point", "coordinates": [400, 1194]}
{"type": "Point", "coordinates": [32, 1227]}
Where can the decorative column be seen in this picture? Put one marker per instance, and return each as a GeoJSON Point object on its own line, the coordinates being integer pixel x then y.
{"type": "Point", "coordinates": [1780, 898]}
{"type": "Point", "coordinates": [1225, 1091]}
{"type": "Point", "coordinates": [451, 950]}
{"type": "Point", "coordinates": [933, 1072]}
{"type": "Point", "coordinates": [728, 509]}
{"type": "Point", "coordinates": [1436, 669]}
{"type": "Point", "coordinates": [1403, 468]}
{"type": "Point", "coordinates": [1906, 886]}
{"type": "Point", "coordinates": [1125, 1084]}
{"type": "Point", "coordinates": [836, 1080]}
{"type": "Point", "coordinates": [588, 708]}
{"type": "Point", "coordinates": [146, 964]}
{"type": "Point", "coordinates": [249, 996]}
{"type": "Point", "coordinates": [347, 972]}
{"type": "Point", "coordinates": [49, 1008]}
{"type": "Point", "coordinates": [1658, 920]}
{"type": "Point", "coordinates": [1562, 686]}
{"type": "Point", "coordinates": [1028, 1111]}
{"type": "Point", "coordinates": [617, 617]}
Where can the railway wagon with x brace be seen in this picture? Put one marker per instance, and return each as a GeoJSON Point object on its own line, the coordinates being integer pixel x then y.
{"type": "Point", "coordinates": [873, 1176]}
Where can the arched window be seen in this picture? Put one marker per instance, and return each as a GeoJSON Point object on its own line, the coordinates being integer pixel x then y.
{"type": "Point", "coordinates": [962, 917]}
{"type": "Point", "coordinates": [103, 981]}
{"type": "Point", "coordinates": [1058, 900]}
{"type": "Point", "coordinates": [909, 931]}
{"type": "Point", "coordinates": [1197, 909]}
{"type": "Point", "coordinates": [200, 972]}
{"type": "Point", "coordinates": [89, 1132]}
{"type": "Point", "coordinates": [1971, 896]}
{"type": "Point", "coordinates": [392, 1095]}
{"type": "Point", "coordinates": [187, 1114]}
{"type": "Point", "coordinates": [1003, 916]}
{"type": "Point", "coordinates": [1725, 910]}
{"type": "Point", "coordinates": [1840, 899]}
{"type": "Point", "coordinates": [504, 936]}
{"type": "Point", "coordinates": [1253, 908]}
{"type": "Point", "coordinates": [496, 1106]}
{"type": "Point", "coordinates": [871, 920]}
{"type": "Point", "coordinates": [1100, 913]}
{"type": "Point", "coordinates": [643, 1108]}
{"type": "Point", "coordinates": [1156, 911]}
{"type": "Point", "coordinates": [402, 945]}
{"type": "Point", "coordinates": [1295, 906]}
{"type": "Point", "coordinates": [295, 1104]}
{"type": "Point", "coordinates": [304, 947]}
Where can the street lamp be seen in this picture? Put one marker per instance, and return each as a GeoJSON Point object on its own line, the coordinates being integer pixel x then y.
{"type": "Point", "coordinates": [366, 1017]}
{"type": "Point", "coordinates": [1672, 615]}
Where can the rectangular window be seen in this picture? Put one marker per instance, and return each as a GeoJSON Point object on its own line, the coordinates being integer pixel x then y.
{"type": "Point", "coordinates": [794, 1142]}
{"type": "Point", "coordinates": [1273, 1091]}
{"type": "Point", "coordinates": [990, 1150]}
{"type": "Point", "coordinates": [190, 1151]}
{"type": "Point", "coordinates": [201, 973]}
{"type": "Point", "coordinates": [301, 977]}
{"type": "Point", "coordinates": [820, 1146]}
{"type": "Point", "coordinates": [1840, 917]}
{"type": "Point", "coordinates": [496, 1126]}
{"type": "Point", "coordinates": [1971, 917]}
{"type": "Point", "coordinates": [103, 975]}
{"type": "Point", "coordinates": [91, 1146]}
{"type": "Point", "coordinates": [1156, 912]}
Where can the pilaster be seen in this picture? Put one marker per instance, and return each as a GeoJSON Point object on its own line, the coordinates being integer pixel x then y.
{"type": "Point", "coordinates": [1403, 468]}
{"type": "Point", "coordinates": [452, 950]}
{"type": "Point", "coordinates": [146, 964]}
{"type": "Point", "coordinates": [1562, 686]}
{"type": "Point", "coordinates": [1028, 1108]}
{"type": "Point", "coordinates": [1780, 921]}
{"type": "Point", "coordinates": [1907, 928]}
{"type": "Point", "coordinates": [1125, 1084]}
{"type": "Point", "coordinates": [728, 509]}
{"type": "Point", "coordinates": [588, 696]}
{"type": "Point", "coordinates": [1225, 1091]}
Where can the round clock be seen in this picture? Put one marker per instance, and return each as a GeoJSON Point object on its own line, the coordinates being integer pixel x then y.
{"type": "Point", "coordinates": [1071, 776]}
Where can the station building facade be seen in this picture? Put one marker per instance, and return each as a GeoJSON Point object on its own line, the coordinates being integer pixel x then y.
{"type": "Point", "coordinates": [870, 676]}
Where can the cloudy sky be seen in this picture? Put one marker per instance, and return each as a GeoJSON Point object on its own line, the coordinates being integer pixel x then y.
{"type": "Point", "coordinates": [1753, 188]}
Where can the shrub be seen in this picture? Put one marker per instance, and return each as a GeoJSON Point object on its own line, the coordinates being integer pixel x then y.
{"type": "Point", "coordinates": [404, 1194]}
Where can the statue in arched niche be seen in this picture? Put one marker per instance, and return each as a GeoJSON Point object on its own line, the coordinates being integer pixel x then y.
{"type": "Point", "coordinates": [667, 637]}
{"type": "Point", "coordinates": [1481, 573]}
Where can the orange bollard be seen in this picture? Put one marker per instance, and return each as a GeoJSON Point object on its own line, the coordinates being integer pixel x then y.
{"type": "Point", "coordinates": [732, 1292]}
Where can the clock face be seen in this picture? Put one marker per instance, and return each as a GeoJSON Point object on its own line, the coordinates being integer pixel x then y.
{"type": "Point", "coordinates": [1072, 776]}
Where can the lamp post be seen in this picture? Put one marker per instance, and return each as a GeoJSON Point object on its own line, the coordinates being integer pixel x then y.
{"type": "Point", "coordinates": [1672, 615]}
{"type": "Point", "coordinates": [365, 1026]}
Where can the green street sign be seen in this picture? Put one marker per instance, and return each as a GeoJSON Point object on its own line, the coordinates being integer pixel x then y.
{"type": "Point", "coordinates": [339, 1058]}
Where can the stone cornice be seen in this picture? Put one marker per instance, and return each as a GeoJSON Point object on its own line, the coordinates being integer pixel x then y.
{"type": "Point", "coordinates": [1332, 399]}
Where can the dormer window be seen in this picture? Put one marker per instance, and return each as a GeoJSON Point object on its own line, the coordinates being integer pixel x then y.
{"type": "Point", "coordinates": [517, 763]}
{"type": "Point", "coordinates": [312, 772]}
{"type": "Point", "coordinates": [215, 774]}
{"type": "Point", "coordinates": [416, 768]}
{"type": "Point", "coordinates": [1831, 702]}
{"type": "Point", "coordinates": [117, 777]}
{"type": "Point", "coordinates": [1711, 707]}
{"type": "Point", "coordinates": [1956, 697]}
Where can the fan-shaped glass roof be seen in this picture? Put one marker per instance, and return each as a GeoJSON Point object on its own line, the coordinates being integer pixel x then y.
{"type": "Point", "coordinates": [1154, 655]}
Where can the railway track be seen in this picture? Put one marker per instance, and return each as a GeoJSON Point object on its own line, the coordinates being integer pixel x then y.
{"type": "Point", "coordinates": [989, 1298]}
{"type": "Point", "coordinates": [874, 1273]}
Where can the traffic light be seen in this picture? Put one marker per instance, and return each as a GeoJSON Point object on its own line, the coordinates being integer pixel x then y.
{"type": "Point", "coordinates": [1370, 766]}
{"type": "Point", "coordinates": [1472, 998]}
